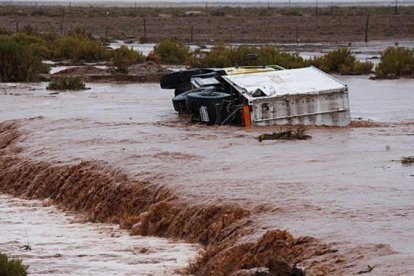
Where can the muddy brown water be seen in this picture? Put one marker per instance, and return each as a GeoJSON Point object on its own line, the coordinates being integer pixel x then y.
{"type": "Point", "coordinates": [344, 187]}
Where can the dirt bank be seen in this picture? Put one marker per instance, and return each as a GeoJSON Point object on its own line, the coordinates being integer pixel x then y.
{"type": "Point", "coordinates": [247, 29]}
{"type": "Point", "coordinates": [104, 194]}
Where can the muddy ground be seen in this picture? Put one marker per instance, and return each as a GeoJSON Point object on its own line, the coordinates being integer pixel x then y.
{"type": "Point", "coordinates": [219, 186]}
{"type": "Point", "coordinates": [248, 29]}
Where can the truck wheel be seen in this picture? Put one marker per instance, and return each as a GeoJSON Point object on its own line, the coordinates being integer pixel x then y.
{"type": "Point", "coordinates": [181, 88]}
{"type": "Point", "coordinates": [180, 103]}
{"type": "Point", "coordinates": [203, 106]}
{"type": "Point", "coordinates": [180, 100]}
{"type": "Point", "coordinates": [172, 80]}
{"type": "Point", "coordinates": [206, 98]}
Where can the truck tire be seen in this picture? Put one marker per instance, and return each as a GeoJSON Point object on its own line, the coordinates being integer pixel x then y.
{"type": "Point", "coordinates": [172, 80]}
{"type": "Point", "coordinates": [181, 88]}
{"type": "Point", "coordinates": [180, 103]}
{"type": "Point", "coordinates": [203, 106]}
{"type": "Point", "coordinates": [180, 100]}
{"type": "Point", "coordinates": [206, 98]}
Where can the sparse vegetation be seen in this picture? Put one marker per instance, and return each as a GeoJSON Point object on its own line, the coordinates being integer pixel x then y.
{"type": "Point", "coordinates": [12, 267]}
{"type": "Point", "coordinates": [172, 52]}
{"type": "Point", "coordinates": [67, 83]}
{"type": "Point", "coordinates": [124, 57]}
{"type": "Point", "coordinates": [396, 62]}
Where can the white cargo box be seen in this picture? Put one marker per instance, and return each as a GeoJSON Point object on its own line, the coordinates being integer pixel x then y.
{"type": "Point", "coordinates": [305, 96]}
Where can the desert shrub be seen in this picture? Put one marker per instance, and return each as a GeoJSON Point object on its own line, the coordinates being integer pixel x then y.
{"type": "Point", "coordinates": [78, 47]}
{"type": "Point", "coordinates": [37, 43]}
{"type": "Point", "coordinates": [357, 68]}
{"type": "Point", "coordinates": [219, 56]}
{"type": "Point", "coordinates": [30, 30]}
{"type": "Point", "coordinates": [81, 32]}
{"type": "Point", "coordinates": [342, 61]}
{"type": "Point", "coordinates": [269, 55]}
{"type": "Point", "coordinates": [154, 57]}
{"type": "Point", "coordinates": [66, 83]}
{"type": "Point", "coordinates": [226, 56]}
{"type": "Point", "coordinates": [12, 267]}
{"type": "Point", "coordinates": [172, 51]}
{"type": "Point", "coordinates": [4, 31]}
{"type": "Point", "coordinates": [18, 61]}
{"type": "Point", "coordinates": [396, 61]}
{"type": "Point", "coordinates": [334, 60]}
{"type": "Point", "coordinates": [124, 57]}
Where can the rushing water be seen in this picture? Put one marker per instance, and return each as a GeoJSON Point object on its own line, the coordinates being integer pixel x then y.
{"type": "Point", "coordinates": [343, 186]}
{"type": "Point", "coordinates": [52, 242]}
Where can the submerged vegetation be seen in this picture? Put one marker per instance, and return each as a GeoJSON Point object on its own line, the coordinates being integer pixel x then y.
{"type": "Point", "coordinates": [12, 267]}
{"type": "Point", "coordinates": [67, 83]}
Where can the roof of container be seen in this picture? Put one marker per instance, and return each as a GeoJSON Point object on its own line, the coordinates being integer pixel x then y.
{"type": "Point", "coordinates": [309, 80]}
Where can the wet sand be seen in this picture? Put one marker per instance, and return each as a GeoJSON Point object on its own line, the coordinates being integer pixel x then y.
{"type": "Point", "coordinates": [344, 187]}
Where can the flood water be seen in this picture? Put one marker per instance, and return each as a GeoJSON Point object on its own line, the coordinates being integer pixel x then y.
{"type": "Point", "coordinates": [345, 186]}
{"type": "Point", "coordinates": [62, 244]}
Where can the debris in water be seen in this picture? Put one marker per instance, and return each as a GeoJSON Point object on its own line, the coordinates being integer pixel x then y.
{"type": "Point", "coordinates": [407, 160]}
{"type": "Point", "coordinates": [288, 134]}
{"type": "Point", "coordinates": [368, 270]}
{"type": "Point", "coordinates": [26, 247]}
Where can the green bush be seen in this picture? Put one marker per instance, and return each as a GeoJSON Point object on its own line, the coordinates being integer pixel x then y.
{"type": "Point", "coordinates": [172, 51]}
{"type": "Point", "coordinates": [395, 62]}
{"type": "Point", "coordinates": [357, 68]}
{"type": "Point", "coordinates": [124, 57]}
{"type": "Point", "coordinates": [79, 48]}
{"type": "Point", "coordinates": [12, 267]}
{"type": "Point", "coordinates": [334, 60]}
{"type": "Point", "coordinates": [18, 62]}
{"type": "Point", "coordinates": [66, 83]}
{"type": "Point", "coordinates": [342, 61]}
{"type": "Point", "coordinates": [37, 43]}
{"type": "Point", "coordinates": [226, 56]}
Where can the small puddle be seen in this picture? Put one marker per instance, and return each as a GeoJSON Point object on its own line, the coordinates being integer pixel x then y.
{"type": "Point", "coordinates": [60, 244]}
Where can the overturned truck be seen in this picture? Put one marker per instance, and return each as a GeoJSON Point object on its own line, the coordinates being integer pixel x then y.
{"type": "Point", "coordinates": [260, 96]}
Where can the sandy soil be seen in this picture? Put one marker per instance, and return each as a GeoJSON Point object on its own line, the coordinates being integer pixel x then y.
{"type": "Point", "coordinates": [231, 29]}
{"type": "Point", "coordinates": [344, 187]}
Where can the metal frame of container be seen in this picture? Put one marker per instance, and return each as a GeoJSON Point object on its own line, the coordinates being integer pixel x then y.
{"type": "Point", "coordinates": [305, 96]}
